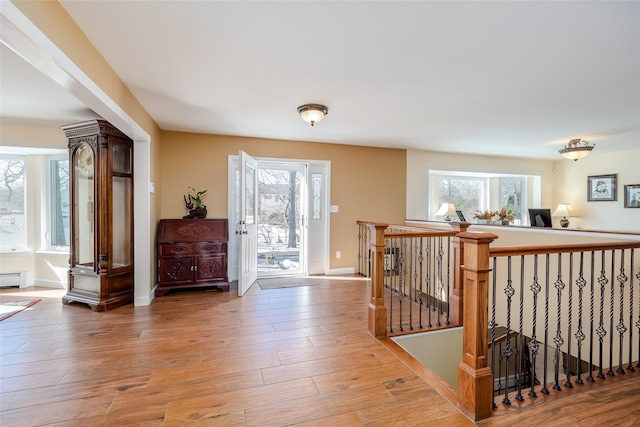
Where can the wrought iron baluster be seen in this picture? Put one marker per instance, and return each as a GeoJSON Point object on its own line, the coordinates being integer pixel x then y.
{"type": "Point", "coordinates": [567, 364]}
{"type": "Point", "coordinates": [580, 336]}
{"type": "Point", "coordinates": [558, 340]}
{"type": "Point", "coordinates": [492, 327]}
{"type": "Point", "coordinates": [638, 322]}
{"type": "Point", "coordinates": [360, 249]}
{"type": "Point", "coordinates": [421, 290]}
{"type": "Point", "coordinates": [449, 262]}
{"type": "Point", "coordinates": [632, 268]}
{"type": "Point", "coordinates": [391, 282]}
{"type": "Point", "coordinates": [402, 279]}
{"type": "Point", "coordinates": [544, 388]}
{"type": "Point", "coordinates": [520, 340]}
{"type": "Point", "coordinates": [622, 279]}
{"type": "Point", "coordinates": [429, 279]}
{"type": "Point", "coordinates": [411, 282]}
{"type": "Point", "coordinates": [534, 345]}
{"type": "Point", "coordinates": [592, 317]}
{"type": "Point", "coordinates": [439, 280]}
{"type": "Point", "coordinates": [611, 304]}
{"type": "Point", "coordinates": [508, 350]}
{"type": "Point", "coordinates": [602, 280]}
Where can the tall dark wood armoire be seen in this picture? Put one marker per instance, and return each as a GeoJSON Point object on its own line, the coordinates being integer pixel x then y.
{"type": "Point", "coordinates": [101, 173]}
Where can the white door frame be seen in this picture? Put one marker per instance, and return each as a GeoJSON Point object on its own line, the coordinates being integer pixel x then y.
{"type": "Point", "coordinates": [321, 265]}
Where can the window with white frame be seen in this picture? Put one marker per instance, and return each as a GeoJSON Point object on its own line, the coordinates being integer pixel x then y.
{"type": "Point", "coordinates": [13, 230]}
{"type": "Point", "coordinates": [471, 192]}
{"type": "Point", "coordinates": [58, 211]}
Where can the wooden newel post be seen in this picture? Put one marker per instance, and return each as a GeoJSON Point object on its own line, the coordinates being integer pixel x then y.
{"type": "Point", "coordinates": [475, 379]}
{"type": "Point", "coordinates": [456, 300]}
{"type": "Point", "coordinates": [377, 310]}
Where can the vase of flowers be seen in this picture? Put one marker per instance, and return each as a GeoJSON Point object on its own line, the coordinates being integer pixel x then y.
{"type": "Point", "coordinates": [193, 202]}
{"type": "Point", "coordinates": [484, 217]}
{"type": "Point", "coordinates": [505, 216]}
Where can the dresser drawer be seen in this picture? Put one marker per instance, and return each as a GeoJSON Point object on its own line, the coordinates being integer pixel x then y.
{"type": "Point", "coordinates": [211, 248]}
{"type": "Point", "coordinates": [176, 249]}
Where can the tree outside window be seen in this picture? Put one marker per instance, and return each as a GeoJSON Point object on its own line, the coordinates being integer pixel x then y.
{"type": "Point", "coordinates": [13, 233]}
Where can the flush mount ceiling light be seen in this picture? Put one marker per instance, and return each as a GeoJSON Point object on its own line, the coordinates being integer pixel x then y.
{"type": "Point", "coordinates": [576, 149]}
{"type": "Point", "coordinates": [312, 113]}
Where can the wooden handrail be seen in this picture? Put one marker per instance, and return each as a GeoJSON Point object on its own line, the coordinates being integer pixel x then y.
{"type": "Point", "coordinates": [421, 233]}
{"type": "Point", "coordinates": [561, 248]}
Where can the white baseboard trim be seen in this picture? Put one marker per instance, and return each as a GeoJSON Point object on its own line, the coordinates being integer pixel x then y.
{"type": "Point", "coordinates": [49, 284]}
{"type": "Point", "coordinates": [341, 271]}
{"type": "Point", "coordinates": [145, 300]}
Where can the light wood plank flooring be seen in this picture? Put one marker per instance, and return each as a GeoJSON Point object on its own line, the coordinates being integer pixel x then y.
{"type": "Point", "coordinates": [294, 356]}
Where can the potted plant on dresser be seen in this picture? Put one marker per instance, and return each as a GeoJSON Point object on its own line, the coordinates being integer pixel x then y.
{"type": "Point", "coordinates": [193, 201]}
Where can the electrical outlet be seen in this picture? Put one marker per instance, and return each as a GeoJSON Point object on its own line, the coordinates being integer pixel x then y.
{"type": "Point", "coordinates": [338, 254]}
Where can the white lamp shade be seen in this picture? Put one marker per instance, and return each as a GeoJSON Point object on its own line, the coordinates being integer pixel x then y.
{"type": "Point", "coordinates": [562, 210]}
{"type": "Point", "coordinates": [446, 209]}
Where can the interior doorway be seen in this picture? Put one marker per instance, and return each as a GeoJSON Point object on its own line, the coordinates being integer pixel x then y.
{"type": "Point", "coordinates": [292, 215]}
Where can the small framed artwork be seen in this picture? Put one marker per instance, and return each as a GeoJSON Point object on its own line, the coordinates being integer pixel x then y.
{"type": "Point", "coordinates": [601, 188]}
{"type": "Point", "coordinates": [632, 196]}
{"type": "Point", "coordinates": [461, 216]}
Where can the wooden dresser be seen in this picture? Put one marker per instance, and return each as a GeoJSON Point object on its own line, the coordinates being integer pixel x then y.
{"type": "Point", "coordinates": [192, 253]}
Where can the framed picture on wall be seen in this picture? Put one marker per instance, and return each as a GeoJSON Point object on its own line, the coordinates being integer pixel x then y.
{"type": "Point", "coordinates": [601, 188]}
{"type": "Point", "coordinates": [632, 196]}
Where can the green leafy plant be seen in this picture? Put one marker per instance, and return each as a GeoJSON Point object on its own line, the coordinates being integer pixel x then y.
{"type": "Point", "coordinates": [195, 198]}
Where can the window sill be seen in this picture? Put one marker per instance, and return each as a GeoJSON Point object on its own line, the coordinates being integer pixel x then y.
{"type": "Point", "coordinates": [52, 252]}
{"type": "Point", "coordinates": [18, 252]}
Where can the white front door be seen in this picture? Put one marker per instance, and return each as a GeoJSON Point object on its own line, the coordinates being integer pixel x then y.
{"type": "Point", "coordinates": [247, 227]}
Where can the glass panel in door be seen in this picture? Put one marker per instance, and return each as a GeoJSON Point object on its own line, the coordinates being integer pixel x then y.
{"type": "Point", "coordinates": [281, 216]}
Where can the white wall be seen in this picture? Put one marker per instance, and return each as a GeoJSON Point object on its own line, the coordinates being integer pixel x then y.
{"type": "Point", "coordinates": [563, 181]}
{"type": "Point", "coordinates": [47, 269]}
{"type": "Point", "coordinates": [419, 162]}
{"type": "Point", "coordinates": [570, 180]}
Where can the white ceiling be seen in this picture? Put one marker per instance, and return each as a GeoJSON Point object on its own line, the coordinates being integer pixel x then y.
{"type": "Point", "coordinates": [510, 78]}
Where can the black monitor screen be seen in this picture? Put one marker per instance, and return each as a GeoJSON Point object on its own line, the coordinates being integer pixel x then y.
{"type": "Point", "coordinates": [540, 217]}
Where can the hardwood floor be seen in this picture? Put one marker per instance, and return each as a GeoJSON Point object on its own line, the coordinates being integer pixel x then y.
{"type": "Point", "coordinates": [293, 356]}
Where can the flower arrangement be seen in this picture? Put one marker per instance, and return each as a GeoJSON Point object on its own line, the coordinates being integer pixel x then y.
{"type": "Point", "coordinates": [505, 215]}
{"type": "Point", "coordinates": [485, 215]}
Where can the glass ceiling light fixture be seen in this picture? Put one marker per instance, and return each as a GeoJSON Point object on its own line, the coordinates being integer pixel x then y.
{"type": "Point", "coordinates": [312, 113]}
{"type": "Point", "coordinates": [576, 149]}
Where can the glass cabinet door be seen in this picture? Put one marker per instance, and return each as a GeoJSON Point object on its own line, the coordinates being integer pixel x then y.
{"type": "Point", "coordinates": [122, 188]}
{"type": "Point", "coordinates": [84, 212]}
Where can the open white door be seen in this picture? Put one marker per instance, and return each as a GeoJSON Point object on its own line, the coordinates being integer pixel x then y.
{"type": "Point", "coordinates": [248, 225]}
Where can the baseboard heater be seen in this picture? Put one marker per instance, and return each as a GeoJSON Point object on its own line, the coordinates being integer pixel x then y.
{"type": "Point", "coordinates": [14, 279]}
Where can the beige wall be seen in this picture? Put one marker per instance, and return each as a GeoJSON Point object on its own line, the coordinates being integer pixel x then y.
{"type": "Point", "coordinates": [571, 187]}
{"type": "Point", "coordinates": [366, 183]}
